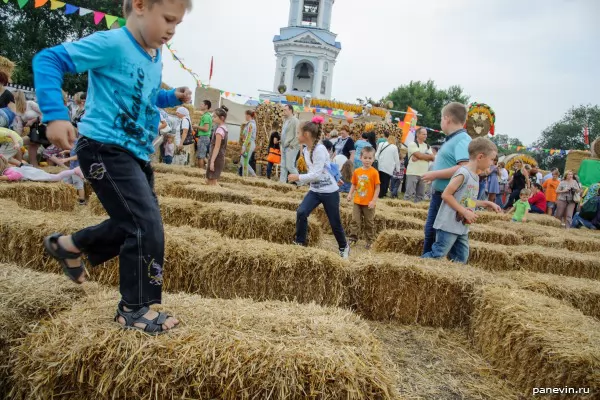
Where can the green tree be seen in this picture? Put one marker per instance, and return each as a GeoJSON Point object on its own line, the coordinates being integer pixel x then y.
{"type": "Point", "coordinates": [428, 100]}
{"type": "Point", "coordinates": [568, 134]}
{"type": "Point", "coordinates": [502, 141]}
{"type": "Point", "coordinates": [26, 31]}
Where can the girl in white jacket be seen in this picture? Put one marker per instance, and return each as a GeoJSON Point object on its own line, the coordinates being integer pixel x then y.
{"type": "Point", "coordinates": [323, 186]}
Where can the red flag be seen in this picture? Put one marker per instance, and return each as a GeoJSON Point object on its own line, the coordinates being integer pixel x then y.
{"type": "Point", "coordinates": [211, 68]}
{"type": "Point", "coordinates": [586, 135]}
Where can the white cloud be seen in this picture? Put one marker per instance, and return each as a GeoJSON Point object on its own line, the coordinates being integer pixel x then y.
{"type": "Point", "coordinates": [530, 60]}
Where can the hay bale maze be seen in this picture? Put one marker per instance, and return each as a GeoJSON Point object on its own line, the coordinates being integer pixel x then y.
{"type": "Point", "coordinates": [262, 318]}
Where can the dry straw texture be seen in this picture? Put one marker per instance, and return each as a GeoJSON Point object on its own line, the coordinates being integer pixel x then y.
{"type": "Point", "coordinates": [225, 177]}
{"type": "Point", "coordinates": [46, 196]}
{"type": "Point", "coordinates": [415, 291]}
{"type": "Point", "coordinates": [238, 221]}
{"type": "Point", "coordinates": [583, 294]}
{"type": "Point", "coordinates": [406, 204]}
{"type": "Point", "coordinates": [574, 159]}
{"type": "Point", "coordinates": [538, 341]}
{"type": "Point", "coordinates": [197, 261]}
{"type": "Point", "coordinates": [226, 349]}
{"type": "Point", "coordinates": [204, 193]}
{"type": "Point", "coordinates": [26, 297]}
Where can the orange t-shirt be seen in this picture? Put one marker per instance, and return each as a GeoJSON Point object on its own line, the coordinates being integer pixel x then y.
{"type": "Point", "coordinates": [365, 181]}
{"type": "Point", "coordinates": [550, 187]}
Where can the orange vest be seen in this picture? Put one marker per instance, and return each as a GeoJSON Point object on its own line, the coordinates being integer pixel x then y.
{"type": "Point", "coordinates": [274, 156]}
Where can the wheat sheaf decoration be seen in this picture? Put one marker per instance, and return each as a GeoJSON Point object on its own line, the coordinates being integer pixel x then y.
{"type": "Point", "coordinates": [481, 120]}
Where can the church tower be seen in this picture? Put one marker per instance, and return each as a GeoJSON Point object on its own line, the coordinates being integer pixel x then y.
{"type": "Point", "coordinates": [306, 50]}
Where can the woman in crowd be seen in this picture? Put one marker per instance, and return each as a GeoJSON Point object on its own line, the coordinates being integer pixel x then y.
{"type": "Point", "coordinates": [493, 184]}
{"type": "Point", "coordinates": [187, 144]}
{"type": "Point", "coordinates": [345, 144]}
{"type": "Point", "coordinates": [518, 181]}
{"type": "Point", "coordinates": [6, 96]}
{"type": "Point", "coordinates": [537, 201]}
{"type": "Point", "coordinates": [388, 160]}
{"type": "Point", "coordinates": [78, 108]}
{"type": "Point", "coordinates": [274, 157]}
{"type": "Point", "coordinates": [248, 144]}
{"type": "Point", "coordinates": [567, 192]}
{"type": "Point", "coordinates": [503, 184]}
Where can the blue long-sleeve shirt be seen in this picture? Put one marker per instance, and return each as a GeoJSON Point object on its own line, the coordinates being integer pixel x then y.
{"type": "Point", "coordinates": [123, 89]}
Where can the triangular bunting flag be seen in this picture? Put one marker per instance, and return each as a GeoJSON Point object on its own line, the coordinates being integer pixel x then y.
{"type": "Point", "coordinates": [122, 22]}
{"type": "Point", "coordinates": [84, 11]}
{"type": "Point", "coordinates": [98, 16]}
{"type": "Point", "coordinates": [54, 5]}
{"type": "Point", "coordinates": [71, 9]}
{"type": "Point", "coordinates": [110, 20]}
{"type": "Point", "coordinates": [39, 3]}
{"type": "Point", "coordinates": [22, 3]}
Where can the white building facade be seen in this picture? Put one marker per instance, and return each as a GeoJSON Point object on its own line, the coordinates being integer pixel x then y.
{"type": "Point", "coordinates": [306, 50]}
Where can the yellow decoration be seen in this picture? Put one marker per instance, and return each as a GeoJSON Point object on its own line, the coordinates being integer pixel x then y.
{"type": "Point", "coordinates": [523, 158]}
{"type": "Point", "coordinates": [337, 105]}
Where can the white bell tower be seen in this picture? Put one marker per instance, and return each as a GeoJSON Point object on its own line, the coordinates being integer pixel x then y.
{"type": "Point", "coordinates": [306, 50]}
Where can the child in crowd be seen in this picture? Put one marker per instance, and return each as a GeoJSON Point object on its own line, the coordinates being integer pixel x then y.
{"type": "Point", "coordinates": [323, 187]}
{"type": "Point", "coordinates": [75, 180]}
{"type": "Point", "coordinates": [550, 186]}
{"type": "Point", "coordinates": [169, 150]}
{"type": "Point", "coordinates": [453, 154]}
{"type": "Point", "coordinates": [334, 170]}
{"type": "Point", "coordinates": [218, 147]}
{"type": "Point", "coordinates": [346, 172]}
{"type": "Point", "coordinates": [117, 132]}
{"type": "Point", "coordinates": [537, 201]}
{"type": "Point", "coordinates": [521, 207]}
{"type": "Point", "coordinates": [365, 192]}
{"type": "Point", "coordinates": [457, 210]}
{"type": "Point", "coordinates": [21, 172]}
{"type": "Point", "coordinates": [274, 157]}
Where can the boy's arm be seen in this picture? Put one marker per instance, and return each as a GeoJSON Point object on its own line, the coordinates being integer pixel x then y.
{"type": "Point", "coordinates": [351, 193]}
{"type": "Point", "coordinates": [448, 197]}
{"type": "Point", "coordinates": [488, 204]}
{"type": "Point", "coordinates": [373, 202]}
{"type": "Point", "coordinates": [50, 65]}
{"type": "Point", "coordinates": [167, 98]}
{"type": "Point", "coordinates": [442, 173]}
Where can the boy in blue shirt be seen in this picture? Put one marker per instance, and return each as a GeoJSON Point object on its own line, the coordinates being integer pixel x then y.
{"type": "Point", "coordinates": [453, 153]}
{"type": "Point", "coordinates": [116, 134]}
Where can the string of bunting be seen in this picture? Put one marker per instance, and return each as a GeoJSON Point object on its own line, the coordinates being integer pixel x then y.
{"type": "Point", "coordinates": [533, 149]}
{"type": "Point", "coordinates": [70, 9]}
{"type": "Point", "coordinates": [189, 70]}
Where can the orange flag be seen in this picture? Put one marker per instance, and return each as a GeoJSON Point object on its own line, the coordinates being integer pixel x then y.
{"type": "Point", "coordinates": [39, 3]}
{"type": "Point", "coordinates": [410, 122]}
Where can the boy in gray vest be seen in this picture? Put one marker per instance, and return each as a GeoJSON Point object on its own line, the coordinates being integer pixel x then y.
{"type": "Point", "coordinates": [457, 211]}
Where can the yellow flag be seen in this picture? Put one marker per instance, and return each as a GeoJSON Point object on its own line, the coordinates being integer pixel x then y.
{"type": "Point", "coordinates": [56, 4]}
{"type": "Point", "coordinates": [110, 20]}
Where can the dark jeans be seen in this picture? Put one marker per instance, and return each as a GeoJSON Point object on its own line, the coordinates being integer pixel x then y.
{"type": "Point", "coordinates": [536, 210]}
{"type": "Point", "coordinates": [134, 231]}
{"type": "Point", "coordinates": [514, 196]}
{"type": "Point", "coordinates": [434, 207]}
{"type": "Point", "coordinates": [385, 184]}
{"type": "Point", "coordinates": [331, 204]}
{"type": "Point", "coordinates": [395, 186]}
{"type": "Point", "coordinates": [269, 170]}
{"type": "Point", "coordinates": [168, 159]}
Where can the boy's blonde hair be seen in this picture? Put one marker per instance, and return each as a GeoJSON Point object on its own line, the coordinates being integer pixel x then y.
{"type": "Point", "coordinates": [457, 112]}
{"type": "Point", "coordinates": [483, 146]}
{"type": "Point", "coordinates": [128, 5]}
{"type": "Point", "coordinates": [527, 167]}
{"type": "Point", "coordinates": [525, 192]}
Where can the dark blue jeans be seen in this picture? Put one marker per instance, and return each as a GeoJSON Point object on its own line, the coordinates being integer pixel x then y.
{"type": "Point", "coordinates": [434, 207]}
{"type": "Point", "coordinates": [456, 247]}
{"type": "Point", "coordinates": [269, 170]}
{"type": "Point", "coordinates": [578, 221]}
{"type": "Point", "coordinates": [168, 159]}
{"type": "Point", "coordinates": [134, 230]}
{"type": "Point", "coordinates": [331, 204]}
{"type": "Point", "coordinates": [395, 184]}
{"type": "Point", "coordinates": [536, 210]}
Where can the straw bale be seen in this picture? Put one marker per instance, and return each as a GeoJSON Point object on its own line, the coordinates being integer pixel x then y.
{"type": "Point", "coordinates": [406, 204]}
{"type": "Point", "coordinates": [382, 221]}
{"type": "Point", "coordinates": [409, 242]}
{"type": "Point", "coordinates": [583, 294]}
{"type": "Point", "coordinates": [557, 261]}
{"type": "Point", "coordinates": [538, 341]}
{"type": "Point", "coordinates": [225, 349]}
{"type": "Point", "coordinates": [26, 297]}
{"type": "Point", "coordinates": [544, 220]}
{"type": "Point", "coordinates": [237, 221]}
{"type": "Point", "coordinates": [225, 177]}
{"type": "Point", "coordinates": [197, 261]}
{"type": "Point", "coordinates": [205, 193]}
{"type": "Point", "coordinates": [282, 203]}
{"type": "Point", "coordinates": [595, 147]}
{"type": "Point", "coordinates": [574, 159]}
{"type": "Point", "coordinates": [412, 290]}
{"type": "Point", "coordinates": [47, 196]}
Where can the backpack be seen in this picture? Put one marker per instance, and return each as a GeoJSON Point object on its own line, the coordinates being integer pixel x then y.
{"type": "Point", "coordinates": [189, 139]}
{"type": "Point", "coordinates": [590, 208]}
{"type": "Point", "coordinates": [406, 159]}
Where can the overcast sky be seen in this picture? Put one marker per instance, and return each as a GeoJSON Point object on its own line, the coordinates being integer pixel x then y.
{"type": "Point", "coordinates": [531, 60]}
